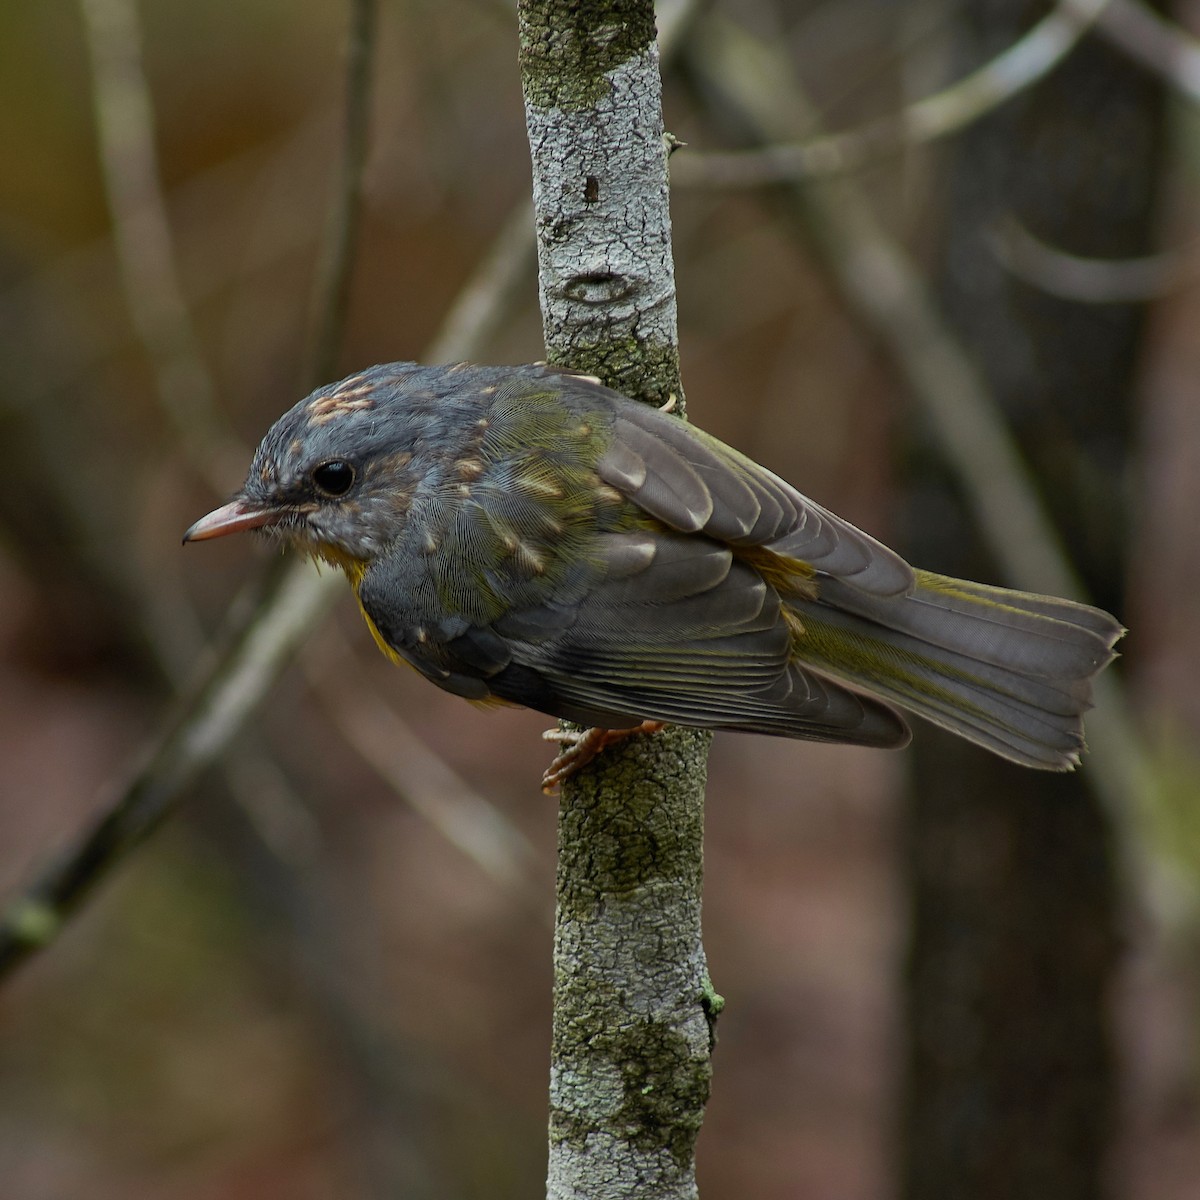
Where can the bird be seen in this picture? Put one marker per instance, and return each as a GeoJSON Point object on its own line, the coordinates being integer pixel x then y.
{"type": "Point", "coordinates": [526, 535]}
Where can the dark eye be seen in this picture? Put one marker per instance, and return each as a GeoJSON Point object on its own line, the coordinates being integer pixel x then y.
{"type": "Point", "coordinates": [334, 478]}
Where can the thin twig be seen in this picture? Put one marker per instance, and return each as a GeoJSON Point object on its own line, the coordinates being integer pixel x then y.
{"type": "Point", "coordinates": [332, 291]}
{"type": "Point", "coordinates": [154, 295]}
{"type": "Point", "coordinates": [433, 789]}
{"type": "Point", "coordinates": [1089, 280]}
{"type": "Point", "coordinates": [294, 598]}
{"type": "Point", "coordinates": [1025, 62]}
{"type": "Point", "coordinates": [885, 289]}
{"type": "Point", "coordinates": [141, 229]}
{"type": "Point", "coordinates": [1154, 42]}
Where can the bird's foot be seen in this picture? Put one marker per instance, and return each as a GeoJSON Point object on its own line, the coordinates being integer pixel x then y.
{"type": "Point", "coordinates": [578, 749]}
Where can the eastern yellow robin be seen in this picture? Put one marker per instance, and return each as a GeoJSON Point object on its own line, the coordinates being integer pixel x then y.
{"type": "Point", "coordinates": [527, 535]}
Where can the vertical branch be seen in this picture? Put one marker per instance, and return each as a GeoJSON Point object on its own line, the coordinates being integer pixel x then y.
{"type": "Point", "coordinates": [593, 109]}
{"type": "Point", "coordinates": [331, 294]}
{"type": "Point", "coordinates": [293, 597]}
{"type": "Point", "coordinates": [141, 229]}
{"type": "Point", "coordinates": [630, 1064]}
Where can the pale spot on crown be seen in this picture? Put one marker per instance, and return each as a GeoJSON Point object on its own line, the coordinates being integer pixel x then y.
{"type": "Point", "coordinates": [353, 396]}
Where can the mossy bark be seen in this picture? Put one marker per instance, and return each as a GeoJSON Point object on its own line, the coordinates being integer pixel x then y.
{"type": "Point", "coordinates": [633, 1006]}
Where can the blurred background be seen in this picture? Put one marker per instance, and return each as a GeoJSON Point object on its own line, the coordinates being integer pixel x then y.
{"type": "Point", "coordinates": [944, 977]}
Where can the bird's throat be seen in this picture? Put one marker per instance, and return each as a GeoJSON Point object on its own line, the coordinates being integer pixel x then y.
{"type": "Point", "coordinates": [335, 556]}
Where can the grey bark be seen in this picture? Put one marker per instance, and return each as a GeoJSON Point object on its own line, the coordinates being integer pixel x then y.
{"type": "Point", "coordinates": [633, 1008]}
{"type": "Point", "coordinates": [593, 110]}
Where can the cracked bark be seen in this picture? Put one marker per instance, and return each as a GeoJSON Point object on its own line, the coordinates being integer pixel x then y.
{"type": "Point", "coordinates": [633, 1008]}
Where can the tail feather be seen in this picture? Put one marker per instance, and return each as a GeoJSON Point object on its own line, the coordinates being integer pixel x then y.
{"type": "Point", "coordinates": [1010, 670]}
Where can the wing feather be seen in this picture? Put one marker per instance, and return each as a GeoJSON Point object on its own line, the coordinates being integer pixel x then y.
{"type": "Point", "coordinates": [695, 483]}
{"type": "Point", "coordinates": [646, 604]}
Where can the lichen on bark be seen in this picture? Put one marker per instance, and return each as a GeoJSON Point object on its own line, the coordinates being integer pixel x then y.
{"type": "Point", "coordinates": [633, 1016]}
{"type": "Point", "coordinates": [567, 48]}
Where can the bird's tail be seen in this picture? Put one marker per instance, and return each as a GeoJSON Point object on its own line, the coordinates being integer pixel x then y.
{"type": "Point", "coordinates": [1010, 670]}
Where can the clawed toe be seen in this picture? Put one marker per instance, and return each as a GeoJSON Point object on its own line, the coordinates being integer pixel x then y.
{"type": "Point", "coordinates": [579, 748]}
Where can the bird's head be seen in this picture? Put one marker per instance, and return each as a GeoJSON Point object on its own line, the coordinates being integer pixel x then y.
{"type": "Point", "coordinates": [334, 475]}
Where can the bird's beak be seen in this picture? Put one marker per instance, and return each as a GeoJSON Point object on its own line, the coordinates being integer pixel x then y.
{"type": "Point", "coordinates": [233, 517]}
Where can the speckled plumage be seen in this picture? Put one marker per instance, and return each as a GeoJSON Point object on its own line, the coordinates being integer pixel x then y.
{"type": "Point", "coordinates": [525, 535]}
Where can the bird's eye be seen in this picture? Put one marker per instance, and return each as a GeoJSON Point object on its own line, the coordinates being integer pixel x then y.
{"type": "Point", "coordinates": [334, 478]}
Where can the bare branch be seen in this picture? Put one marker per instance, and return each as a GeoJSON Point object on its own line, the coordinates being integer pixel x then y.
{"type": "Point", "coordinates": [936, 116]}
{"type": "Point", "coordinates": [1155, 43]}
{"type": "Point", "coordinates": [435, 791]}
{"type": "Point", "coordinates": [141, 229]}
{"type": "Point", "coordinates": [632, 1038]}
{"type": "Point", "coordinates": [885, 289]}
{"type": "Point", "coordinates": [331, 294]}
{"type": "Point", "coordinates": [1089, 280]}
{"type": "Point", "coordinates": [34, 919]}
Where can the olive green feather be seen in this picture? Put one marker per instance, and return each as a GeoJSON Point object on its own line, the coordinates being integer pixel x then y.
{"type": "Point", "coordinates": [527, 535]}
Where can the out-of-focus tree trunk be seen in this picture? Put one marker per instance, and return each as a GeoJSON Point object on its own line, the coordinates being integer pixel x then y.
{"type": "Point", "coordinates": [1010, 1081]}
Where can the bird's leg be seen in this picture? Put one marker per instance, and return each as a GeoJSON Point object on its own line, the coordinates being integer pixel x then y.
{"type": "Point", "coordinates": [578, 749]}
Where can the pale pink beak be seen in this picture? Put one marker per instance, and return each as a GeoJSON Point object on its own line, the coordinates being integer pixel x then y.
{"type": "Point", "coordinates": [233, 518]}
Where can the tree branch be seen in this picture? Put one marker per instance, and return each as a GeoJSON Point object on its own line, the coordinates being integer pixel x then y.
{"type": "Point", "coordinates": [886, 292]}
{"type": "Point", "coordinates": [331, 293]}
{"type": "Point", "coordinates": [1089, 280]}
{"type": "Point", "coordinates": [293, 597]}
{"type": "Point", "coordinates": [141, 229]}
{"type": "Point", "coordinates": [1155, 43]}
{"type": "Point", "coordinates": [926, 120]}
{"type": "Point", "coordinates": [630, 1057]}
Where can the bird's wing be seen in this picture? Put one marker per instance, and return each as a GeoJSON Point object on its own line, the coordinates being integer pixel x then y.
{"type": "Point", "coordinates": [689, 633]}
{"type": "Point", "coordinates": [652, 624]}
{"type": "Point", "coordinates": [695, 483]}
{"type": "Point", "coordinates": [534, 581]}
